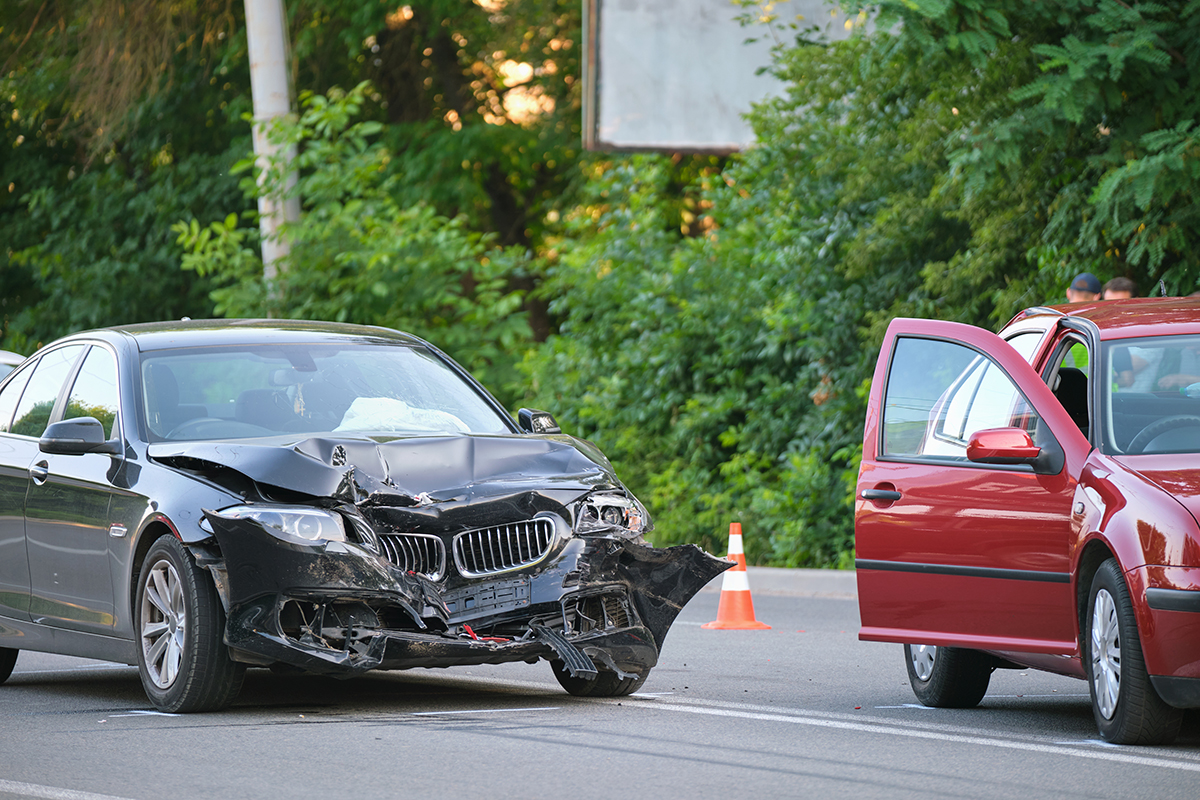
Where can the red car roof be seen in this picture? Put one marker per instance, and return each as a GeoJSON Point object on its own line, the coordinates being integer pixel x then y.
{"type": "Point", "coordinates": [1141, 316]}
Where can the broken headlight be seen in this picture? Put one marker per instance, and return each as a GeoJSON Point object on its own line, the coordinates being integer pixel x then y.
{"type": "Point", "coordinates": [603, 511]}
{"type": "Point", "coordinates": [298, 522]}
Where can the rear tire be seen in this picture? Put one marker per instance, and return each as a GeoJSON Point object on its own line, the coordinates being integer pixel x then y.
{"type": "Point", "coordinates": [8, 660]}
{"type": "Point", "coordinates": [1126, 707]}
{"type": "Point", "coordinates": [605, 684]}
{"type": "Point", "coordinates": [947, 677]}
{"type": "Point", "coordinates": [182, 658]}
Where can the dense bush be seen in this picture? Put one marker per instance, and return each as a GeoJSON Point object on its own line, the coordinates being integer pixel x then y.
{"type": "Point", "coordinates": [962, 162]}
{"type": "Point", "coordinates": [711, 323]}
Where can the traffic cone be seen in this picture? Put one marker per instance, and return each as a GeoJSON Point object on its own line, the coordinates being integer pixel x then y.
{"type": "Point", "coordinates": [736, 610]}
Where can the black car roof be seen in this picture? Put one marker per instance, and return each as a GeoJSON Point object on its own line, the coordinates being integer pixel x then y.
{"type": "Point", "coordinates": [194, 333]}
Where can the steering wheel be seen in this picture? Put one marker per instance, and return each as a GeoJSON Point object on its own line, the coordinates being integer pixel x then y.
{"type": "Point", "coordinates": [1159, 427]}
{"type": "Point", "coordinates": [185, 429]}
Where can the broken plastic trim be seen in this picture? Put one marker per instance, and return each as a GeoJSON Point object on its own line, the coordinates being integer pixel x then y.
{"type": "Point", "coordinates": [577, 663]}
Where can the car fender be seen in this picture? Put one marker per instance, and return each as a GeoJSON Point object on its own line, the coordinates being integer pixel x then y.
{"type": "Point", "coordinates": [1119, 512]}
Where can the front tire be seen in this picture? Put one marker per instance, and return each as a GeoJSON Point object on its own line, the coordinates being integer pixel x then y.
{"type": "Point", "coordinates": [605, 684]}
{"type": "Point", "coordinates": [182, 658]}
{"type": "Point", "coordinates": [1126, 707]}
{"type": "Point", "coordinates": [947, 677]}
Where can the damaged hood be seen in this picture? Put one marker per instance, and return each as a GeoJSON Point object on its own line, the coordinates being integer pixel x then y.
{"type": "Point", "coordinates": [356, 469]}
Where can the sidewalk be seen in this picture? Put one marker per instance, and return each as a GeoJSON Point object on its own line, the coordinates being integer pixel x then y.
{"type": "Point", "coordinates": [797, 582]}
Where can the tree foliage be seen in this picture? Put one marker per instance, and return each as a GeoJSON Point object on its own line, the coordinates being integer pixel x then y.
{"type": "Point", "coordinates": [356, 254]}
{"type": "Point", "coordinates": [963, 161]}
{"type": "Point", "coordinates": [114, 120]}
{"type": "Point", "coordinates": [712, 323]}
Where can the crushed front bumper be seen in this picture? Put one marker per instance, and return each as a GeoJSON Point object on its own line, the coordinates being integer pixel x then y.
{"type": "Point", "coordinates": [335, 608]}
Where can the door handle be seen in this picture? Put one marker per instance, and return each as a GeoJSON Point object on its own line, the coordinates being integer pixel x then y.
{"type": "Point", "coordinates": [886, 495]}
{"type": "Point", "coordinates": [40, 472]}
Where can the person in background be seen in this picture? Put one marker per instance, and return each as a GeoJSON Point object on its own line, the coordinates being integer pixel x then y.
{"type": "Point", "coordinates": [1120, 288]}
{"type": "Point", "coordinates": [1084, 288]}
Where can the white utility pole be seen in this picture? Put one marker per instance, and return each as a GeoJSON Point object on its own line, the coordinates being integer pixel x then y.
{"type": "Point", "coordinates": [266, 33]}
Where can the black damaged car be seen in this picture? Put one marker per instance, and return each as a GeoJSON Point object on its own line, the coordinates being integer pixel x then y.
{"type": "Point", "coordinates": [199, 497]}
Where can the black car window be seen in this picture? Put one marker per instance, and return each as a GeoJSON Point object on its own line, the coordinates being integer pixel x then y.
{"type": "Point", "coordinates": [939, 393]}
{"type": "Point", "coordinates": [235, 392]}
{"type": "Point", "coordinates": [10, 396]}
{"type": "Point", "coordinates": [95, 391]}
{"type": "Point", "coordinates": [37, 402]}
{"type": "Point", "coordinates": [1069, 380]}
{"type": "Point", "coordinates": [1152, 402]}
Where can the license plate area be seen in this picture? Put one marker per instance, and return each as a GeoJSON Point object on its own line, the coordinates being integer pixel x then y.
{"type": "Point", "coordinates": [486, 599]}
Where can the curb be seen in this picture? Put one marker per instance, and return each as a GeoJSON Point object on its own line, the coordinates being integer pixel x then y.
{"type": "Point", "coordinates": [838, 583]}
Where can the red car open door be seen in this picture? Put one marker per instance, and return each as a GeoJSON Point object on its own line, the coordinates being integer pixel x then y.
{"type": "Point", "coordinates": [964, 498]}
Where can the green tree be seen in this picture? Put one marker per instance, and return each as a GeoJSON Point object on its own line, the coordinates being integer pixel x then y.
{"type": "Point", "coordinates": [961, 162]}
{"type": "Point", "coordinates": [113, 119]}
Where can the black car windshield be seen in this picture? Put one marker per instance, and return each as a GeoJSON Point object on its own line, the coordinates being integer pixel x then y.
{"type": "Point", "coordinates": [1151, 403]}
{"type": "Point", "coordinates": [239, 392]}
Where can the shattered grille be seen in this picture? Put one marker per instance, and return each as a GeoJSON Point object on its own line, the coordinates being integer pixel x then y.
{"type": "Point", "coordinates": [415, 552]}
{"type": "Point", "coordinates": [504, 547]}
{"type": "Point", "coordinates": [615, 612]}
{"type": "Point", "coordinates": [598, 612]}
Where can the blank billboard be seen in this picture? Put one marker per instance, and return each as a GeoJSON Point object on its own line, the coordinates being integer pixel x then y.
{"type": "Point", "coordinates": [678, 75]}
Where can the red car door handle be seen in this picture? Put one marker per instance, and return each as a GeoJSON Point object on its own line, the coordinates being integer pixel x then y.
{"type": "Point", "coordinates": [880, 494]}
{"type": "Point", "coordinates": [39, 472]}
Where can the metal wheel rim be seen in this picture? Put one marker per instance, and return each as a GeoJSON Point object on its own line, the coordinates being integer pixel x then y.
{"type": "Point", "coordinates": [164, 623]}
{"type": "Point", "coordinates": [922, 657]}
{"type": "Point", "coordinates": [1106, 654]}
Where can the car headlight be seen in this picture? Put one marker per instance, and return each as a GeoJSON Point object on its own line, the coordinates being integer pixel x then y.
{"type": "Point", "coordinates": [300, 522]}
{"type": "Point", "coordinates": [601, 512]}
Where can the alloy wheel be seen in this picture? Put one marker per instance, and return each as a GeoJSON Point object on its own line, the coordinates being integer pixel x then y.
{"type": "Point", "coordinates": [1106, 654]}
{"type": "Point", "coordinates": [164, 623]}
{"type": "Point", "coordinates": [923, 656]}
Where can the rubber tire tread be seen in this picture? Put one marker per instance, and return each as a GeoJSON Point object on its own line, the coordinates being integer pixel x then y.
{"type": "Point", "coordinates": [605, 684]}
{"type": "Point", "coordinates": [959, 679]}
{"type": "Point", "coordinates": [1141, 716]}
{"type": "Point", "coordinates": [8, 660]}
{"type": "Point", "coordinates": [208, 679]}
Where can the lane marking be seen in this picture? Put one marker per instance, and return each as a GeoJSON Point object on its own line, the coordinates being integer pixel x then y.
{"type": "Point", "coordinates": [139, 713]}
{"type": "Point", "coordinates": [1084, 748]}
{"type": "Point", "coordinates": [895, 730]}
{"type": "Point", "coordinates": [482, 711]}
{"type": "Point", "coordinates": [52, 792]}
{"type": "Point", "coordinates": [1023, 696]}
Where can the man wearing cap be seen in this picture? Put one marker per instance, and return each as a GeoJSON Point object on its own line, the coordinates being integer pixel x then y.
{"type": "Point", "coordinates": [1084, 288]}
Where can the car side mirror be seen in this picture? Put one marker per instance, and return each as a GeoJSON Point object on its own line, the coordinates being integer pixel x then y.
{"type": "Point", "coordinates": [74, 437]}
{"type": "Point", "coordinates": [533, 421]}
{"type": "Point", "coordinates": [1002, 446]}
{"type": "Point", "coordinates": [1013, 446]}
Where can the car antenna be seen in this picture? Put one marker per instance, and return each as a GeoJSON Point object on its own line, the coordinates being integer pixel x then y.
{"type": "Point", "coordinates": [1162, 288]}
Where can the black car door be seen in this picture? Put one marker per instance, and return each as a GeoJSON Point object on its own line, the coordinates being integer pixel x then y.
{"type": "Point", "coordinates": [67, 508]}
{"type": "Point", "coordinates": [16, 454]}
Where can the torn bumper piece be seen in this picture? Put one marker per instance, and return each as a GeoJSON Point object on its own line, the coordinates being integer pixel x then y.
{"type": "Point", "coordinates": [335, 608]}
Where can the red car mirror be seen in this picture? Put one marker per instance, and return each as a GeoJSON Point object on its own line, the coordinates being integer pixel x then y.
{"type": "Point", "coordinates": [1002, 446]}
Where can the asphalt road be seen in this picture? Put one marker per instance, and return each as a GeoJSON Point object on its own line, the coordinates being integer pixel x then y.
{"type": "Point", "coordinates": [801, 710]}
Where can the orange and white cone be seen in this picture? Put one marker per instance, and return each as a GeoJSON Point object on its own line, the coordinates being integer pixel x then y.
{"type": "Point", "coordinates": [736, 610]}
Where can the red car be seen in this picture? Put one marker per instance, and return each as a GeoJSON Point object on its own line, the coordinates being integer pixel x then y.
{"type": "Point", "coordinates": [1030, 500]}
